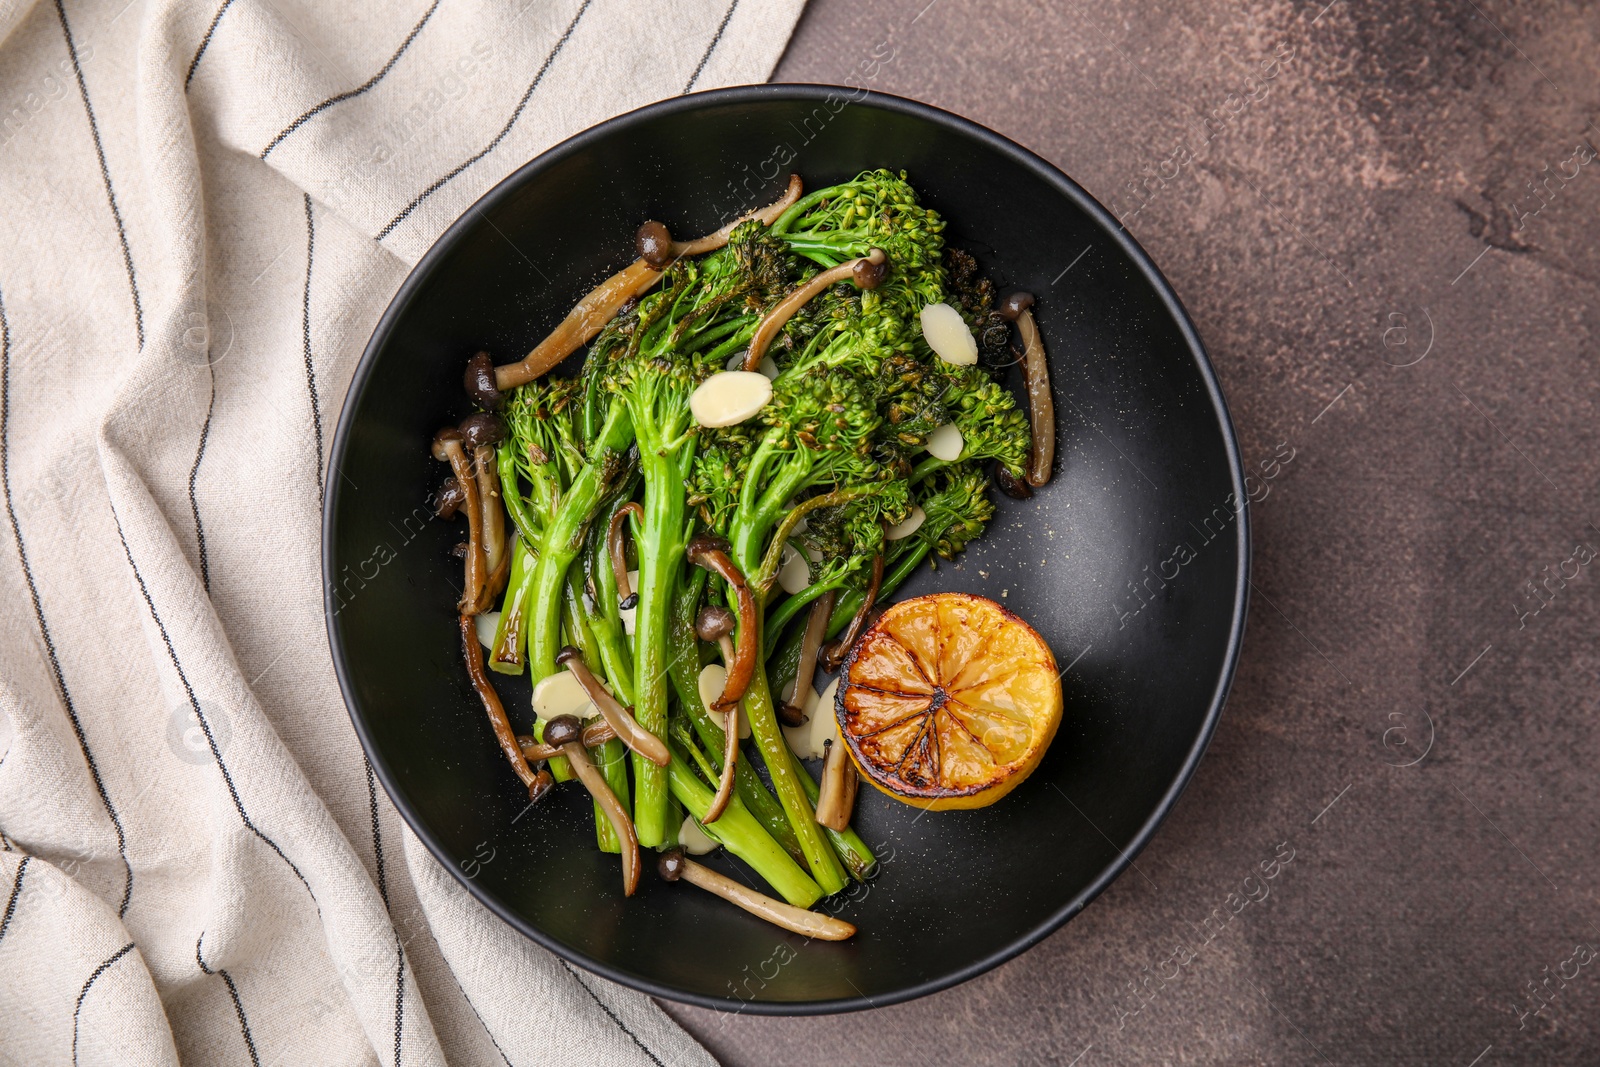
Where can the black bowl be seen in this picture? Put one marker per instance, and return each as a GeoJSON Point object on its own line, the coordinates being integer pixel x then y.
{"type": "Point", "coordinates": [1132, 562]}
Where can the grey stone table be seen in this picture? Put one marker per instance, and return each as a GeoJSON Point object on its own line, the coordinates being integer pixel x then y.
{"type": "Point", "coordinates": [1383, 219]}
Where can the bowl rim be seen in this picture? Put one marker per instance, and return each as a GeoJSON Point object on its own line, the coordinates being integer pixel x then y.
{"type": "Point", "coordinates": [808, 92]}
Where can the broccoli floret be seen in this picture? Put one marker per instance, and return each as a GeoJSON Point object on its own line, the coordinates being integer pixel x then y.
{"type": "Point", "coordinates": [992, 426]}
{"type": "Point", "coordinates": [957, 509]}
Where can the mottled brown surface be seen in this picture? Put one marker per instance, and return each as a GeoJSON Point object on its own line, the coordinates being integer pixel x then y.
{"type": "Point", "coordinates": [1379, 182]}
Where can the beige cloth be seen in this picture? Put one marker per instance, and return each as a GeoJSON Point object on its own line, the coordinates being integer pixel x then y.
{"type": "Point", "coordinates": [206, 206]}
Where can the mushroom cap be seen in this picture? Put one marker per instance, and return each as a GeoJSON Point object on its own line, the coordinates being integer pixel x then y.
{"type": "Point", "coordinates": [1010, 485]}
{"type": "Point", "coordinates": [704, 544]}
{"type": "Point", "coordinates": [479, 382]}
{"type": "Point", "coordinates": [714, 622]}
{"type": "Point", "coordinates": [869, 271]}
{"type": "Point", "coordinates": [563, 730]}
{"type": "Point", "coordinates": [481, 428]}
{"type": "Point", "coordinates": [1014, 305]}
{"type": "Point", "coordinates": [443, 438]}
{"type": "Point", "coordinates": [670, 865]}
{"type": "Point", "coordinates": [654, 244]}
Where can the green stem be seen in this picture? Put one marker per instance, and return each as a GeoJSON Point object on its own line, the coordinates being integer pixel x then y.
{"type": "Point", "coordinates": [720, 354]}
{"type": "Point", "coordinates": [511, 491]}
{"type": "Point", "coordinates": [846, 843]}
{"type": "Point", "coordinates": [605, 620]}
{"type": "Point", "coordinates": [755, 520]}
{"type": "Point", "coordinates": [775, 754]}
{"type": "Point", "coordinates": [564, 540]}
{"type": "Point", "coordinates": [685, 652]}
{"type": "Point", "coordinates": [610, 756]}
{"type": "Point", "coordinates": [782, 223]}
{"type": "Point", "coordinates": [664, 536]}
{"type": "Point", "coordinates": [781, 664]}
{"type": "Point", "coordinates": [510, 633]}
{"type": "Point", "coordinates": [927, 467]}
{"type": "Point", "coordinates": [739, 832]}
{"type": "Point", "coordinates": [902, 569]}
{"type": "Point", "coordinates": [720, 331]}
{"type": "Point", "coordinates": [612, 759]}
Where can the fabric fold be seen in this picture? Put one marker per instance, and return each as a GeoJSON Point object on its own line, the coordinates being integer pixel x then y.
{"type": "Point", "coordinates": [209, 205]}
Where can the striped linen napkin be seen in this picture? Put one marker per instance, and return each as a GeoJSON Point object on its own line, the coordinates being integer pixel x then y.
{"type": "Point", "coordinates": [207, 205]}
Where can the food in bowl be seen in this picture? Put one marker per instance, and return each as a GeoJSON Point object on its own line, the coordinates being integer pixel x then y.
{"type": "Point", "coordinates": [773, 427]}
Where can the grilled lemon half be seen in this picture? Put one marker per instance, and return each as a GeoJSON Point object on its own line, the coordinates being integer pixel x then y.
{"type": "Point", "coordinates": [949, 701]}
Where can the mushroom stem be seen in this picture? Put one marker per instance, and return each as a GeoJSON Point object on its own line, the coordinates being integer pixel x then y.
{"type": "Point", "coordinates": [594, 735]}
{"type": "Point", "coordinates": [447, 448]}
{"type": "Point", "coordinates": [798, 920]}
{"type": "Point", "coordinates": [603, 302]}
{"type": "Point", "coordinates": [596, 784]}
{"type": "Point", "coordinates": [490, 507]}
{"type": "Point", "coordinates": [810, 645]}
{"type": "Point", "coordinates": [837, 797]}
{"type": "Point", "coordinates": [581, 324]}
{"type": "Point", "coordinates": [834, 654]}
{"type": "Point", "coordinates": [730, 744]}
{"type": "Point", "coordinates": [767, 216]}
{"type": "Point", "coordinates": [1041, 406]}
{"type": "Point", "coordinates": [626, 597]}
{"type": "Point", "coordinates": [472, 651]}
{"type": "Point", "coordinates": [711, 553]}
{"type": "Point", "coordinates": [493, 586]}
{"type": "Point", "coordinates": [1017, 308]}
{"type": "Point", "coordinates": [543, 782]}
{"type": "Point", "coordinates": [626, 727]}
{"type": "Point", "coordinates": [867, 272]}
{"type": "Point", "coordinates": [730, 759]}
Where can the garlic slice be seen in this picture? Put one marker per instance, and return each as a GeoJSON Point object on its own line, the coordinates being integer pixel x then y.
{"type": "Point", "coordinates": [694, 840]}
{"type": "Point", "coordinates": [487, 624]}
{"type": "Point", "coordinates": [946, 333]}
{"type": "Point", "coordinates": [766, 367]}
{"type": "Point", "coordinates": [560, 694]}
{"type": "Point", "coordinates": [729, 397]}
{"type": "Point", "coordinates": [946, 443]}
{"type": "Point", "coordinates": [912, 523]}
{"type": "Point", "coordinates": [713, 677]}
{"type": "Point", "coordinates": [821, 723]}
{"type": "Point", "coordinates": [794, 574]}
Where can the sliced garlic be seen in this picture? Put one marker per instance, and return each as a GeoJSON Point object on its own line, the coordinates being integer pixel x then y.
{"type": "Point", "coordinates": [821, 723]}
{"type": "Point", "coordinates": [946, 443]}
{"type": "Point", "coordinates": [487, 624]}
{"type": "Point", "coordinates": [912, 523]}
{"type": "Point", "coordinates": [713, 677]}
{"type": "Point", "coordinates": [946, 333]}
{"type": "Point", "coordinates": [794, 574]}
{"type": "Point", "coordinates": [694, 839]}
{"type": "Point", "coordinates": [729, 397]}
{"type": "Point", "coordinates": [560, 694]}
{"type": "Point", "coordinates": [628, 613]}
{"type": "Point", "coordinates": [765, 367]}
